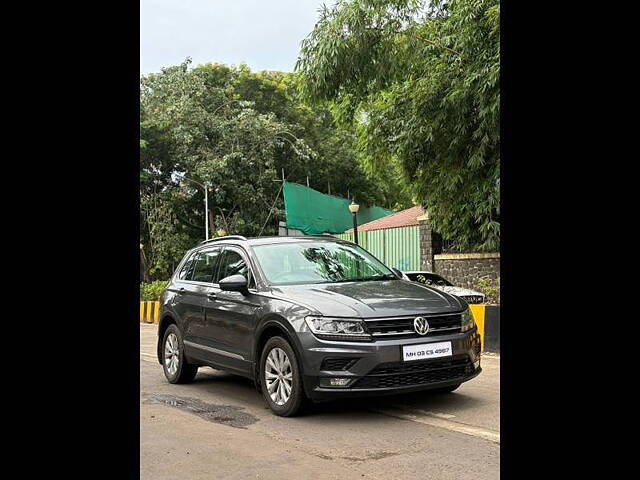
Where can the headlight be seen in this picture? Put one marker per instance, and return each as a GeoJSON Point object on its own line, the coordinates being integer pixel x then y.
{"type": "Point", "coordinates": [337, 328]}
{"type": "Point", "coordinates": [467, 320]}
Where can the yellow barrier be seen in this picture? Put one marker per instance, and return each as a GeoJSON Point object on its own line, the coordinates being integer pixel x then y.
{"type": "Point", "coordinates": [478, 315]}
{"type": "Point", "coordinates": [149, 312]}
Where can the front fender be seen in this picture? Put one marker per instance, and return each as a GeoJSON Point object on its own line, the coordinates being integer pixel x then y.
{"type": "Point", "coordinates": [275, 320]}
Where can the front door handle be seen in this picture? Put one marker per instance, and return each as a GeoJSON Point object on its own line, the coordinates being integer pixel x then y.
{"type": "Point", "coordinates": [212, 296]}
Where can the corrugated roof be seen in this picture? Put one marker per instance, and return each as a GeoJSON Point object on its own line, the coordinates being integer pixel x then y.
{"type": "Point", "coordinates": [403, 218]}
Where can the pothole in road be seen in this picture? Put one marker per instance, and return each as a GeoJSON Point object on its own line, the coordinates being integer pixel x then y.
{"type": "Point", "coordinates": [224, 414]}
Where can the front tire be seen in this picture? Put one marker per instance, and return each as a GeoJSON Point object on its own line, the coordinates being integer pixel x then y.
{"type": "Point", "coordinates": [280, 378]}
{"type": "Point", "coordinates": [174, 363]}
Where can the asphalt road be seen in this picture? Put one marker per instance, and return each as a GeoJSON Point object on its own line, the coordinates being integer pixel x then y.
{"type": "Point", "coordinates": [219, 427]}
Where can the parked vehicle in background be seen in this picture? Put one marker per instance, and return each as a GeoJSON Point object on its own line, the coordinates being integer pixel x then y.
{"type": "Point", "coordinates": [437, 281]}
{"type": "Point", "coordinates": [312, 318]}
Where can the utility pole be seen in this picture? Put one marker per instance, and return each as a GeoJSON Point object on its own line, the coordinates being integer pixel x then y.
{"type": "Point", "coordinates": [206, 205]}
{"type": "Point", "coordinates": [206, 214]}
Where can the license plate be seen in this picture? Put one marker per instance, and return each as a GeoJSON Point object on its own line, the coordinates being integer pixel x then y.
{"type": "Point", "coordinates": [426, 350]}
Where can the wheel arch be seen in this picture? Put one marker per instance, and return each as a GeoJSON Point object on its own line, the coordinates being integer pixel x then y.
{"type": "Point", "coordinates": [166, 320]}
{"type": "Point", "coordinates": [273, 326]}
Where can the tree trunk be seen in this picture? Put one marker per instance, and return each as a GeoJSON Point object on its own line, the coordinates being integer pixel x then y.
{"type": "Point", "coordinates": [144, 269]}
{"type": "Point", "coordinates": [212, 224]}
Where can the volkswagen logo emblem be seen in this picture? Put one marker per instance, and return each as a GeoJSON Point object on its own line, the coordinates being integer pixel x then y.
{"type": "Point", "coordinates": [421, 325]}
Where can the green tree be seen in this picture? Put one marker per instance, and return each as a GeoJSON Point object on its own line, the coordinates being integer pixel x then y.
{"type": "Point", "coordinates": [235, 130]}
{"type": "Point", "coordinates": [419, 83]}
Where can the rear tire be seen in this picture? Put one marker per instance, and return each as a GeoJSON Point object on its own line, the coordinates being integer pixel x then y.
{"type": "Point", "coordinates": [448, 389]}
{"type": "Point", "coordinates": [280, 378]}
{"type": "Point", "coordinates": [174, 363]}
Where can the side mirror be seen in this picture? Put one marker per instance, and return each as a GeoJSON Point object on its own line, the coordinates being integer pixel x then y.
{"type": "Point", "coordinates": [397, 272]}
{"type": "Point", "coordinates": [234, 283]}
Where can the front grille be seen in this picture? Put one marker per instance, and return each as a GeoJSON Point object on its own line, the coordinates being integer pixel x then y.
{"type": "Point", "coordinates": [401, 374]}
{"type": "Point", "coordinates": [403, 327]}
{"type": "Point", "coordinates": [335, 364]}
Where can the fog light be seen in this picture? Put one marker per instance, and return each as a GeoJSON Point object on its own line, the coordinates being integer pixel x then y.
{"type": "Point", "coordinates": [334, 382]}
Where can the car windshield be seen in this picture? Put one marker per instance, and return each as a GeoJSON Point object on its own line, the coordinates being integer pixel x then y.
{"type": "Point", "coordinates": [319, 262]}
{"type": "Point", "coordinates": [429, 279]}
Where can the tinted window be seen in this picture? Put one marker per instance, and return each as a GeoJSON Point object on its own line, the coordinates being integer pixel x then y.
{"type": "Point", "coordinates": [185, 271]}
{"type": "Point", "coordinates": [232, 263]}
{"type": "Point", "coordinates": [205, 266]}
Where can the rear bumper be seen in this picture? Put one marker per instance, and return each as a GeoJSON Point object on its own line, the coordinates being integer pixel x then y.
{"type": "Point", "coordinates": [380, 370]}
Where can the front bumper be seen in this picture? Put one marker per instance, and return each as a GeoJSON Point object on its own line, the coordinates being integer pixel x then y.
{"type": "Point", "coordinates": [379, 369]}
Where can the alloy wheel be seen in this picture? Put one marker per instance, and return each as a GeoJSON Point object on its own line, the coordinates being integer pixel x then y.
{"type": "Point", "coordinates": [278, 376]}
{"type": "Point", "coordinates": [171, 354]}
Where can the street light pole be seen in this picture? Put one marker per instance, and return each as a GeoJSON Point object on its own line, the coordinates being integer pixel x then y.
{"type": "Point", "coordinates": [206, 214]}
{"type": "Point", "coordinates": [353, 208]}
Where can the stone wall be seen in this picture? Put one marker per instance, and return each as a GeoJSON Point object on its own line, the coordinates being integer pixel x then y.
{"type": "Point", "coordinates": [461, 269]}
{"type": "Point", "coordinates": [465, 269]}
{"type": "Point", "coordinates": [428, 243]}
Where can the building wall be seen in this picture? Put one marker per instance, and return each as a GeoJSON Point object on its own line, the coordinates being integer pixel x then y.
{"type": "Point", "coordinates": [284, 231]}
{"type": "Point", "coordinates": [465, 269]}
{"type": "Point", "coordinates": [397, 247]}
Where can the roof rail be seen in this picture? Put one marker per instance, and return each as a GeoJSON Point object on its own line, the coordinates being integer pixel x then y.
{"type": "Point", "coordinates": [227, 237]}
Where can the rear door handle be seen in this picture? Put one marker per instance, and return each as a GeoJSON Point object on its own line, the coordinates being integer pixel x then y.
{"type": "Point", "coordinates": [180, 291]}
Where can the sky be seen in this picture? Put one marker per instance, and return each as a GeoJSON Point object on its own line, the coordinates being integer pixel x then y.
{"type": "Point", "coordinates": [265, 34]}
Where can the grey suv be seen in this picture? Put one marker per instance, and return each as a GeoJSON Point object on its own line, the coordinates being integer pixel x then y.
{"type": "Point", "coordinates": [311, 318]}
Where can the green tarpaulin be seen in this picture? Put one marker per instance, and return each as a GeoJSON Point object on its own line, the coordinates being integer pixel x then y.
{"type": "Point", "coordinates": [315, 213]}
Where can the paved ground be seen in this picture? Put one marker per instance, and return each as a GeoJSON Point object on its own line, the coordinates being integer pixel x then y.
{"type": "Point", "coordinates": [219, 427]}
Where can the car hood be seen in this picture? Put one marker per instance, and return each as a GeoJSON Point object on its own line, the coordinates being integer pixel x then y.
{"type": "Point", "coordinates": [370, 299]}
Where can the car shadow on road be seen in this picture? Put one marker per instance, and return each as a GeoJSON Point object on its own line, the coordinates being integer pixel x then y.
{"type": "Point", "coordinates": [430, 402]}
{"type": "Point", "coordinates": [243, 390]}
{"type": "Point", "coordinates": [208, 375]}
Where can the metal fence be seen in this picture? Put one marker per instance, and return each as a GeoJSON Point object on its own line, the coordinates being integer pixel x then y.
{"type": "Point", "coordinates": [395, 247]}
{"type": "Point", "coordinates": [447, 246]}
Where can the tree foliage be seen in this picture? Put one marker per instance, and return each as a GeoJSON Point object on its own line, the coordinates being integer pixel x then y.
{"type": "Point", "coordinates": [419, 83]}
{"type": "Point", "coordinates": [235, 130]}
{"type": "Point", "coordinates": [152, 291]}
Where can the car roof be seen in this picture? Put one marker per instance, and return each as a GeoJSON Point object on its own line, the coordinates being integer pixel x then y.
{"type": "Point", "coordinates": [305, 239]}
{"type": "Point", "coordinates": [239, 240]}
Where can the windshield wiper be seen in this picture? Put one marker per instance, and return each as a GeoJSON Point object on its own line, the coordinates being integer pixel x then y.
{"type": "Point", "coordinates": [386, 276]}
